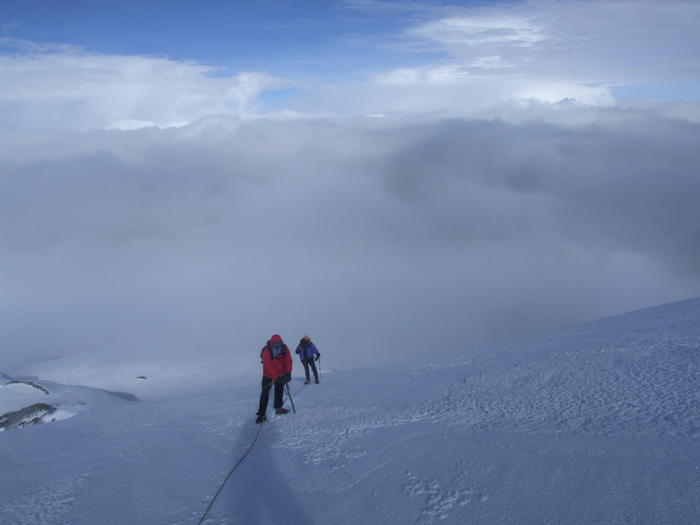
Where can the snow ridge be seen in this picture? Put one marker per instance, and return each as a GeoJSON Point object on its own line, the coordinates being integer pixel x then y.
{"type": "Point", "coordinates": [28, 383]}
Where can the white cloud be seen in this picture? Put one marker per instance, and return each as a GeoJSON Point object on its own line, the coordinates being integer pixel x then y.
{"type": "Point", "coordinates": [128, 124]}
{"type": "Point", "coordinates": [490, 62]}
{"type": "Point", "coordinates": [481, 57]}
{"type": "Point", "coordinates": [497, 29]}
{"type": "Point", "coordinates": [65, 87]}
{"type": "Point", "coordinates": [412, 76]}
{"type": "Point", "coordinates": [544, 50]}
{"type": "Point", "coordinates": [554, 93]}
{"type": "Point", "coordinates": [402, 234]}
{"type": "Point", "coordinates": [575, 41]}
{"type": "Point", "coordinates": [535, 50]}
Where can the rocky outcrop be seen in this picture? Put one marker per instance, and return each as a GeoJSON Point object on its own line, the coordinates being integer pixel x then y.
{"type": "Point", "coordinates": [31, 415]}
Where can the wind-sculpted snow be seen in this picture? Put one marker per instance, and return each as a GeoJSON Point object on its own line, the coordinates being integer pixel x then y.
{"type": "Point", "coordinates": [46, 503]}
{"type": "Point", "coordinates": [598, 423]}
{"type": "Point", "coordinates": [581, 395]}
{"type": "Point", "coordinates": [648, 387]}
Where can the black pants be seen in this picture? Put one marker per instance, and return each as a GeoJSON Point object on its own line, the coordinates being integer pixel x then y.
{"type": "Point", "coordinates": [265, 395]}
{"type": "Point", "coordinates": [310, 362]}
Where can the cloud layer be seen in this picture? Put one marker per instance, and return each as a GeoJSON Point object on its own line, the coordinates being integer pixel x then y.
{"type": "Point", "coordinates": [381, 238]}
{"type": "Point", "coordinates": [155, 210]}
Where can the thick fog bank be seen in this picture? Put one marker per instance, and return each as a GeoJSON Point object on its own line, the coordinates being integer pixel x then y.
{"type": "Point", "coordinates": [380, 238]}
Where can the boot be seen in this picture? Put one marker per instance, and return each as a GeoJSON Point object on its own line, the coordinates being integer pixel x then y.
{"type": "Point", "coordinates": [281, 411]}
{"type": "Point", "coordinates": [308, 381]}
{"type": "Point", "coordinates": [260, 419]}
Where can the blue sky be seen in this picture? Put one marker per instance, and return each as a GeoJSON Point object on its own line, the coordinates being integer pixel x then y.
{"type": "Point", "coordinates": [311, 37]}
{"type": "Point", "coordinates": [364, 56]}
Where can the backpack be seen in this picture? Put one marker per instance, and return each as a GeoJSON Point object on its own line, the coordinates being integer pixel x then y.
{"type": "Point", "coordinates": [267, 345]}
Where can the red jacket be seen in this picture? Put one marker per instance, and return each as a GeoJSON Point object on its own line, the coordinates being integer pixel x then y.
{"type": "Point", "coordinates": [275, 367]}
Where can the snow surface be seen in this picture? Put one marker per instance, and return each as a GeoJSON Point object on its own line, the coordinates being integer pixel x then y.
{"type": "Point", "coordinates": [598, 423]}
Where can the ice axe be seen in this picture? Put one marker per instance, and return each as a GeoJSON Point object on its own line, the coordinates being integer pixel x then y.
{"type": "Point", "coordinates": [290, 397]}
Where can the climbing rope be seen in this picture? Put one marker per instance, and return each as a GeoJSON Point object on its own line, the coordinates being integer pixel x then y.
{"type": "Point", "coordinates": [244, 456]}
{"type": "Point", "coordinates": [229, 475]}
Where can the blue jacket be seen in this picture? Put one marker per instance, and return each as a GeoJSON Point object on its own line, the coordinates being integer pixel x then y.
{"type": "Point", "coordinates": [306, 353]}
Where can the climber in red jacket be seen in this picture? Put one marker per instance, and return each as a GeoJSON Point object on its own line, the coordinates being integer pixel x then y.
{"type": "Point", "coordinates": [277, 370]}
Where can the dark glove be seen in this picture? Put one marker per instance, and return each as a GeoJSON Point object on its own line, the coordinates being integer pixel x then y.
{"type": "Point", "coordinates": [287, 377]}
{"type": "Point", "coordinates": [318, 356]}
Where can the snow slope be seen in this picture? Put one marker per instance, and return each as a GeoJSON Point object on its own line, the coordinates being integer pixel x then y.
{"type": "Point", "coordinates": [598, 423]}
